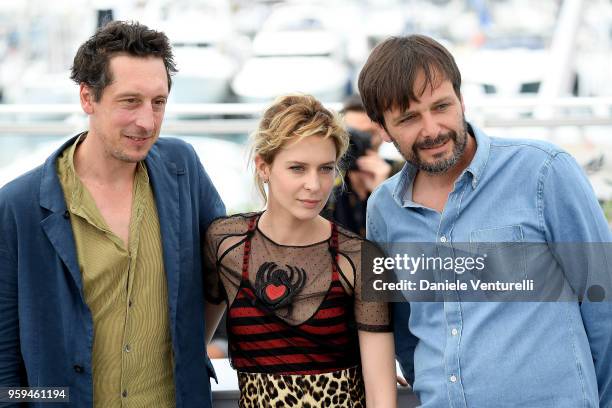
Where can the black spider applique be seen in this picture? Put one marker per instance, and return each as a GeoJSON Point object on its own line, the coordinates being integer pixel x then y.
{"type": "Point", "coordinates": [276, 286]}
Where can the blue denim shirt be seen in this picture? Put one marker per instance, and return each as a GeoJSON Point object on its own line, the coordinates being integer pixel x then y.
{"type": "Point", "coordinates": [494, 354]}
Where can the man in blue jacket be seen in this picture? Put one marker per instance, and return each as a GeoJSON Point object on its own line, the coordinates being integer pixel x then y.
{"type": "Point", "coordinates": [461, 186]}
{"type": "Point", "coordinates": [100, 247]}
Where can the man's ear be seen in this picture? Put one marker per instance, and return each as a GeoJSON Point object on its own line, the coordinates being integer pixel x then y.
{"type": "Point", "coordinates": [86, 97]}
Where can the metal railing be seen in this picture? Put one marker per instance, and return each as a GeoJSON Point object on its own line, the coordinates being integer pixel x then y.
{"type": "Point", "coordinates": [233, 118]}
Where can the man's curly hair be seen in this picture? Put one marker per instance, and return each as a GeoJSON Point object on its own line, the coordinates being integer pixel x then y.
{"type": "Point", "coordinates": [91, 63]}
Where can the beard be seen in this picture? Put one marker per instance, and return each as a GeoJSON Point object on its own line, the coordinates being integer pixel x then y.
{"type": "Point", "coordinates": [441, 165]}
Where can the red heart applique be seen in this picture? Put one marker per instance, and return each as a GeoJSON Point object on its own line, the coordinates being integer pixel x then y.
{"type": "Point", "coordinates": [274, 292]}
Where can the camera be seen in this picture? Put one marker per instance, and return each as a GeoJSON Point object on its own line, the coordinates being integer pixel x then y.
{"type": "Point", "coordinates": [360, 143]}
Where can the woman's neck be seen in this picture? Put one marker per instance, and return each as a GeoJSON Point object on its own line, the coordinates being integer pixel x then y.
{"type": "Point", "coordinates": [288, 230]}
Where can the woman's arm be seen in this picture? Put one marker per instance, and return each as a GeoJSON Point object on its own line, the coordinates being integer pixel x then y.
{"type": "Point", "coordinates": [378, 366]}
{"type": "Point", "coordinates": [212, 316]}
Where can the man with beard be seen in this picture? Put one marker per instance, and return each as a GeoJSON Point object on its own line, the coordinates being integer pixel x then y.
{"type": "Point", "coordinates": [100, 247]}
{"type": "Point", "coordinates": [461, 186]}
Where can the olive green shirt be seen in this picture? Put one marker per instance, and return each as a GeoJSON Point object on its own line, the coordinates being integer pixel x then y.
{"type": "Point", "coordinates": [126, 291]}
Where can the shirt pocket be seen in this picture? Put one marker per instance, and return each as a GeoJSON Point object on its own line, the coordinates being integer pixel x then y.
{"type": "Point", "coordinates": [503, 249]}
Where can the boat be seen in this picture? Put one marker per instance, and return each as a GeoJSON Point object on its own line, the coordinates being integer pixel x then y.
{"type": "Point", "coordinates": [294, 52]}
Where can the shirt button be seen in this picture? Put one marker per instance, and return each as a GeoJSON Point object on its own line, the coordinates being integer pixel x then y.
{"type": "Point", "coordinates": [78, 369]}
{"type": "Point", "coordinates": [127, 348]}
{"type": "Point", "coordinates": [453, 378]}
{"type": "Point", "coordinates": [454, 332]}
{"type": "Point", "coordinates": [442, 238]}
{"type": "Point", "coordinates": [129, 303]}
{"type": "Point", "coordinates": [124, 394]}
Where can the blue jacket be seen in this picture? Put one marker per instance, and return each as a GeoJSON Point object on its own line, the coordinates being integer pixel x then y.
{"type": "Point", "coordinates": [46, 328]}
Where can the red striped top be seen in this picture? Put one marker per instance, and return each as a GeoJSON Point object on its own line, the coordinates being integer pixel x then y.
{"type": "Point", "coordinates": [260, 341]}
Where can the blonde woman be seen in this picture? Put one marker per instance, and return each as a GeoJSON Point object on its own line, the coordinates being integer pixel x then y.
{"type": "Point", "coordinates": [299, 334]}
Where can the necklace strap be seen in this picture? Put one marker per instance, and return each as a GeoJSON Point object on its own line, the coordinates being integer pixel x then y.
{"type": "Point", "coordinates": [333, 249]}
{"type": "Point", "coordinates": [247, 247]}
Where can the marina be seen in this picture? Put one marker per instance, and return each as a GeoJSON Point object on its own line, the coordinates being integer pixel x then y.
{"type": "Point", "coordinates": [546, 75]}
{"type": "Point", "coordinates": [534, 70]}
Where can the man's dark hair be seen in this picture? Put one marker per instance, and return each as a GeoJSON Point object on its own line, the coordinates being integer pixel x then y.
{"type": "Point", "coordinates": [388, 77]}
{"type": "Point", "coordinates": [92, 61]}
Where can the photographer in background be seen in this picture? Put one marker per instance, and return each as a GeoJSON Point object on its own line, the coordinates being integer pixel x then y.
{"type": "Point", "coordinates": [364, 169]}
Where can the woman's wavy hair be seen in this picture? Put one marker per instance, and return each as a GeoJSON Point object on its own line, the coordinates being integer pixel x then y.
{"type": "Point", "coordinates": [292, 118]}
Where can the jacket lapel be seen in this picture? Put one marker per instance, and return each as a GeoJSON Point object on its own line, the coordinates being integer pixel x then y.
{"type": "Point", "coordinates": [57, 225]}
{"type": "Point", "coordinates": [163, 176]}
{"type": "Point", "coordinates": [59, 232]}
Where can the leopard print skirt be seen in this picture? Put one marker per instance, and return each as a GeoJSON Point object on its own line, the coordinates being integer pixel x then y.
{"type": "Point", "coordinates": [338, 389]}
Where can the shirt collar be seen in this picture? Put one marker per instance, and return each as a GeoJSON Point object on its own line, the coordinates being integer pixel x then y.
{"type": "Point", "coordinates": [402, 194]}
{"type": "Point", "coordinates": [76, 186]}
{"type": "Point", "coordinates": [480, 159]}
